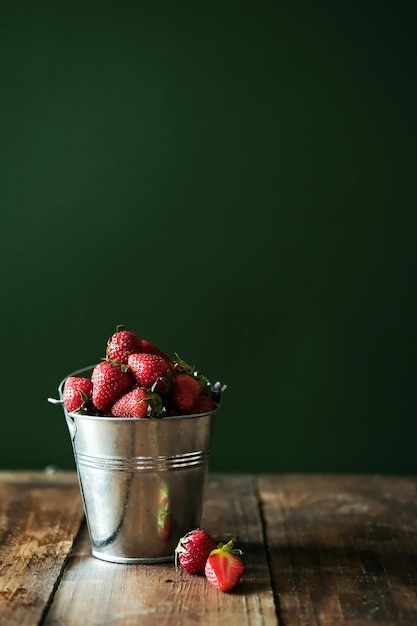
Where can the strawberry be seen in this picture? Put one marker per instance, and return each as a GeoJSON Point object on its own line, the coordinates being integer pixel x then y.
{"type": "Point", "coordinates": [193, 550]}
{"type": "Point", "coordinates": [150, 370]}
{"type": "Point", "coordinates": [110, 382]}
{"type": "Point", "coordinates": [184, 392]}
{"type": "Point", "coordinates": [77, 392]}
{"type": "Point", "coordinates": [223, 567]}
{"type": "Point", "coordinates": [182, 367]}
{"type": "Point", "coordinates": [122, 344]}
{"type": "Point", "coordinates": [151, 348]}
{"type": "Point", "coordinates": [203, 404]}
{"type": "Point", "coordinates": [137, 403]}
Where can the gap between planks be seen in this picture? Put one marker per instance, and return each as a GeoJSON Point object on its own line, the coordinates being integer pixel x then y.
{"type": "Point", "coordinates": [342, 549]}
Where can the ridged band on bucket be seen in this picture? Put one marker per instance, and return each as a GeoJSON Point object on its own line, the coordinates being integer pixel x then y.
{"type": "Point", "coordinates": [145, 463]}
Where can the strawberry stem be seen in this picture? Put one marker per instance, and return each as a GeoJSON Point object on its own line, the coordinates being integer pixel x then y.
{"type": "Point", "coordinates": [123, 366]}
{"type": "Point", "coordinates": [227, 547]}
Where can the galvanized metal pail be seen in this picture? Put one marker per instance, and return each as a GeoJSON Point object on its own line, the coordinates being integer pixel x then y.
{"type": "Point", "coordinates": [142, 480]}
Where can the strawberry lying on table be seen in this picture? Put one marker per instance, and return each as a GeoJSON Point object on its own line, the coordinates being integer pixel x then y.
{"type": "Point", "coordinates": [198, 553]}
{"type": "Point", "coordinates": [224, 567]}
{"type": "Point", "coordinates": [138, 379]}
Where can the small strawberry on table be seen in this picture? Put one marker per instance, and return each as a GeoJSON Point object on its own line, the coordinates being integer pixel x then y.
{"type": "Point", "coordinates": [224, 568]}
{"type": "Point", "coordinates": [193, 550]}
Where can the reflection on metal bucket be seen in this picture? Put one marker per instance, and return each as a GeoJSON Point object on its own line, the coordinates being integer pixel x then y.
{"type": "Point", "coordinates": [142, 481]}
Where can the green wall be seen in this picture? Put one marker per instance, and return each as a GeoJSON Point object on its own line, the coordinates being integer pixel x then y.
{"type": "Point", "coordinates": [234, 180]}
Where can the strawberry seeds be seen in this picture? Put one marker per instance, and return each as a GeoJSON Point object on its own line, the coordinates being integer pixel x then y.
{"type": "Point", "coordinates": [198, 553]}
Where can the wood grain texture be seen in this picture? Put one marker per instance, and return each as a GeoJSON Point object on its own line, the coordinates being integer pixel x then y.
{"type": "Point", "coordinates": [342, 549]}
{"type": "Point", "coordinates": [319, 551]}
{"type": "Point", "coordinates": [94, 592]}
{"type": "Point", "coordinates": [40, 516]}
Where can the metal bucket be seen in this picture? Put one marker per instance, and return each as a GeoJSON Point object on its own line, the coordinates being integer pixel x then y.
{"type": "Point", "coordinates": [142, 480]}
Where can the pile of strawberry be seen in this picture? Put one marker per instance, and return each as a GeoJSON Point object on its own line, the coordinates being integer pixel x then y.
{"type": "Point", "coordinates": [198, 553]}
{"type": "Point", "coordinates": [138, 379]}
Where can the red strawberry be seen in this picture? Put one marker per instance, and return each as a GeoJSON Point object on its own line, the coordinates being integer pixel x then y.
{"type": "Point", "coordinates": [137, 403]}
{"type": "Point", "coordinates": [184, 392]}
{"type": "Point", "coordinates": [203, 404]}
{"type": "Point", "coordinates": [121, 344]}
{"type": "Point", "coordinates": [110, 382]}
{"type": "Point", "coordinates": [193, 550]}
{"type": "Point", "coordinates": [148, 369]}
{"type": "Point", "coordinates": [223, 567]}
{"type": "Point", "coordinates": [77, 392]}
{"type": "Point", "coordinates": [151, 348]}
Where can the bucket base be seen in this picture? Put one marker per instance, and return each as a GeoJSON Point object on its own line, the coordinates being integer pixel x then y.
{"type": "Point", "coordinates": [143, 560]}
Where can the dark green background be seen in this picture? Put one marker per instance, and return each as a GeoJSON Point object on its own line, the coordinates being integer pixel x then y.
{"type": "Point", "coordinates": [235, 181]}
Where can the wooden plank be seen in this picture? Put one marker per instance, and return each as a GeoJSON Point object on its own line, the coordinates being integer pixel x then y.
{"type": "Point", "coordinates": [40, 515]}
{"type": "Point", "coordinates": [95, 592]}
{"type": "Point", "coordinates": [343, 549]}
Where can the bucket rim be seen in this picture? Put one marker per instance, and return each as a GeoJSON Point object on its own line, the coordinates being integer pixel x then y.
{"type": "Point", "coordinates": [103, 418]}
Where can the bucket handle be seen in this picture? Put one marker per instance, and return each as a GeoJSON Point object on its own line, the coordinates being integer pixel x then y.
{"type": "Point", "coordinates": [70, 420]}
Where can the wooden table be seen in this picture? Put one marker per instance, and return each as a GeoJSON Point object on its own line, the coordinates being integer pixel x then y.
{"type": "Point", "coordinates": [319, 550]}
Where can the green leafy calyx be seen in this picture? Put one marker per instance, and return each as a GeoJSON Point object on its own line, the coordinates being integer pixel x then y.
{"type": "Point", "coordinates": [227, 548]}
